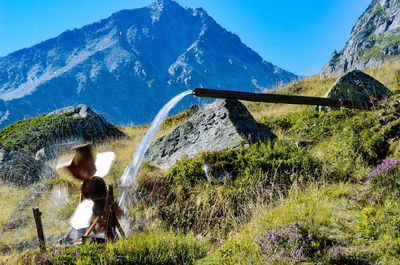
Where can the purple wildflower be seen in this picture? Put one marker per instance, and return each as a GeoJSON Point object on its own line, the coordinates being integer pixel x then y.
{"type": "Point", "coordinates": [56, 252]}
{"type": "Point", "coordinates": [289, 244]}
{"type": "Point", "coordinates": [382, 181]}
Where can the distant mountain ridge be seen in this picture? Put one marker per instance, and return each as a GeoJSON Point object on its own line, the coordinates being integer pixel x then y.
{"type": "Point", "coordinates": [127, 66]}
{"type": "Point", "coordinates": [374, 40]}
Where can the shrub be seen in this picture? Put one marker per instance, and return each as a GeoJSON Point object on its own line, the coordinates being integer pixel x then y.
{"type": "Point", "coordinates": [291, 244]}
{"type": "Point", "coordinates": [186, 199]}
{"type": "Point", "coordinates": [377, 222]}
{"type": "Point", "coordinates": [382, 183]}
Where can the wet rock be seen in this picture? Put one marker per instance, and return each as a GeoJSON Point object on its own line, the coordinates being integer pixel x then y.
{"type": "Point", "coordinates": [19, 169]}
{"type": "Point", "coordinates": [46, 154]}
{"type": "Point", "coordinates": [221, 125]}
{"type": "Point", "coordinates": [220, 172]}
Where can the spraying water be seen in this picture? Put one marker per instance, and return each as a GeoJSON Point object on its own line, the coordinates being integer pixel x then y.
{"type": "Point", "coordinates": [206, 170]}
{"type": "Point", "coordinates": [132, 169]}
{"type": "Point", "coordinates": [59, 194]}
{"type": "Point", "coordinates": [103, 163]}
{"type": "Point", "coordinates": [82, 215]}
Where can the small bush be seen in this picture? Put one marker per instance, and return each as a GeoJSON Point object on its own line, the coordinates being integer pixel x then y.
{"type": "Point", "coordinates": [186, 199]}
{"type": "Point", "coordinates": [383, 183]}
{"type": "Point", "coordinates": [291, 244]}
{"type": "Point", "coordinates": [379, 222]}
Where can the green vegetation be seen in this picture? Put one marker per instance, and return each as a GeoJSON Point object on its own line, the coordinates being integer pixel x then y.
{"type": "Point", "coordinates": [32, 134]}
{"type": "Point", "coordinates": [326, 191]}
{"type": "Point", "coordinates": [382, 42]}
{"type": "Point", "coordinates": [392, 40]}
{"type": "Point", "coordinates": [143, 248]}
{"type": "Point", "coordinates": [396, 80]}
{"type": "Point", "coordinates": [186, 199]}
{"type": "Point", "coordinates": [373, 53]}
{"type": "Point", "coordinates": [378, 10]}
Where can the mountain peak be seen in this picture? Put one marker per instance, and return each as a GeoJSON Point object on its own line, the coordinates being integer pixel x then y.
{"type": "Point", "coordinates": [143, 57]}
{"type": "Point", "coordinates": [374, 40]}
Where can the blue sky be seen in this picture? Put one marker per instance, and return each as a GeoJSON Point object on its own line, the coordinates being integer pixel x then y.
{"type": "Point", "coordinates": [298, 36]}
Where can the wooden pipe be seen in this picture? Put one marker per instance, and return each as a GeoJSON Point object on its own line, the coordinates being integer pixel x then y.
{"type": "Point", "coordinates": [277, 98]}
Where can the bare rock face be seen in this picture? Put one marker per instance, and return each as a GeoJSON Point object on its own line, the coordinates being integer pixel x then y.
{"type": "Point", "coordinates": [221, 125]}
{"type": "Point", "coordinates": [374, 40]}
{"type": "Point", "coordinates": [19, 169]}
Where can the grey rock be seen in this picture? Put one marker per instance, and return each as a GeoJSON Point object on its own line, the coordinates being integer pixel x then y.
{"type": "Point", "coordinates": [221, 125]}
{"type": "Point", "coordinates": [19, 169]}
{"type": "Point", "coordinates": [35, 192]}
{"type": "Point", "coordinates": [357, 86]}
{"type": "Point", "coordinates": [49, 153]}
{"type": "Point", "coordinates": [92, 128]}
{"type": "Point", "coordinates": [374, 40]}
{"type": "Point", "coordinates": [127, 66]}
{"type": "Point", "coordinates": [78, 111]}
{"type": "Point", "coordinates": [220, 172]}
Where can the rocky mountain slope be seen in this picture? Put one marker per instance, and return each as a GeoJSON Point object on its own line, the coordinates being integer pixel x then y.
{"type": "Point", "coordinates": [374, 40]}
{"type": "Point", "coordinates": [128, 65]}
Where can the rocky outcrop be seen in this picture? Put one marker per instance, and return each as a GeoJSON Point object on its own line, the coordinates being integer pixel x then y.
{"type": "Point", "coordinates": [92, 128]}
{"type": "Point", "coordinates": [374, 40]}
{"type": "Point", "coordinates": [19, 169]}
{"type": "Point", "coordinates": [221, 125]}
{"type": "Point", "coordinates": [358, 86]}
{"type": "Point", "coordinates": [46, 136]}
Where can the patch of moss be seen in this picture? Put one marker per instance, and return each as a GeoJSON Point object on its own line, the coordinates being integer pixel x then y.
{"type": "Point", "coordinates": [179, 118]}
{"type": "Point", "coordinates": [32, 134]}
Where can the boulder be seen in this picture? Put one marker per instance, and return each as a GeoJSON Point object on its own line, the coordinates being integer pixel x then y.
{"type": "Point", "coordinates": [357, 86]}
{"type": "Point", "coordinates": [44, 137]}
{"type": "Point", "coordinates": [221, 125]}
{"type": "Point", "coordinates": [19, 169]}
{"type": "Point", "coordinates": [93, 127]}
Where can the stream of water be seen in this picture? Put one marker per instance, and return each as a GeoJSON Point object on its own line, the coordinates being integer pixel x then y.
{"type": "Point", "coordinates": [128, 177]}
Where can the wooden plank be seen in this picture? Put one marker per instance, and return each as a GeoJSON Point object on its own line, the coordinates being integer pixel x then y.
{"type": "Point", "coordinates": [277, 98]}
{"type": "Point", "coordinates": [39, 228]}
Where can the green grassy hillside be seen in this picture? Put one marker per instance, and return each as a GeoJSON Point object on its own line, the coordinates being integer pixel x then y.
{"type": "Point", "coordinates": [325, 192]}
